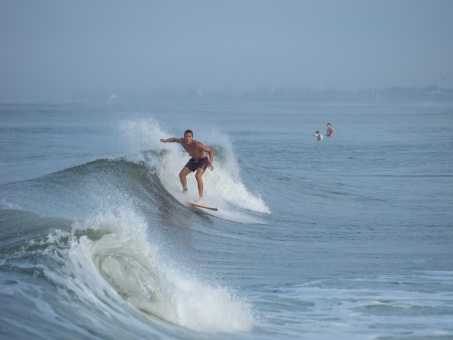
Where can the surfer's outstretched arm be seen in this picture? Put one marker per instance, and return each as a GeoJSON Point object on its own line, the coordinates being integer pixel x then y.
{"type": "Point", "coordinates": [171, 140]}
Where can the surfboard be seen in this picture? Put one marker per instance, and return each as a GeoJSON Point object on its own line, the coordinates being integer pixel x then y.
{"type": "Point", "coordinates": [201, 206]}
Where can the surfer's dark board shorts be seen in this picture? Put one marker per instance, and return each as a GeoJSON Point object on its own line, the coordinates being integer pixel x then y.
{"type": "Point", "coordinates": [194, 164]}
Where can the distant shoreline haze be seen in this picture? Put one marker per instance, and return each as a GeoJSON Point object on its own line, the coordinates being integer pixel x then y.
{"type": "Point", "coordinates": [280, 94]}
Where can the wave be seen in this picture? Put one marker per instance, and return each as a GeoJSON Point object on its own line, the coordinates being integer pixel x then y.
{"type": "Point", "coordinates": [97, 236]}
{"type": "Point", "coordinates": [107, 268]}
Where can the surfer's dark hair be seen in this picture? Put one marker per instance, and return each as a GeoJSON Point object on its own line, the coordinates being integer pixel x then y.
{"type": "Point", "coordinates": [188, 131]}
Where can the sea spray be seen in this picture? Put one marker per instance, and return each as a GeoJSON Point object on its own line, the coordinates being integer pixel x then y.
{"type": "Point", "coordinates": [137, 271]}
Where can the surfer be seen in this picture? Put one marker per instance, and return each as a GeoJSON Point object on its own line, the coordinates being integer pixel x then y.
{"type": "Point", "coordinates": [318, 135]}
{"type": "Point", "coordinates": [330, 130]}
{"type": "Point", "coordinates": [199, 161]}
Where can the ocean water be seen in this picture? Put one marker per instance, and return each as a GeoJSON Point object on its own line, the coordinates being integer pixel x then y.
{"type": "Point", "coordinates": [347, 238]}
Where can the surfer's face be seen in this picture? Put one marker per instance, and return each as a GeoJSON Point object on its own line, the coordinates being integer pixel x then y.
{"type": "Point", "coordinates": [188, 138]}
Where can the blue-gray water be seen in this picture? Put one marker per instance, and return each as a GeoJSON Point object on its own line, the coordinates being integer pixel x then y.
{"type": "Point", "coordinates": [348, 238]}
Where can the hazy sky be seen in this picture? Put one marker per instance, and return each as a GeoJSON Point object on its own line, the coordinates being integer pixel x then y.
{"type": "Point", "coordinates": [50, 49]}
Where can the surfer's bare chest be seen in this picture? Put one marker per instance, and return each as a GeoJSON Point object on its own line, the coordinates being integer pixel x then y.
{"type": "Point", "coordinates": [193, 150]}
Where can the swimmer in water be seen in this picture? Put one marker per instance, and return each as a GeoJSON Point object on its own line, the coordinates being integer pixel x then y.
{"type": "Point", "coordinates": [330, 130]}
{"type": "Point", "coordinates": [318, 135]}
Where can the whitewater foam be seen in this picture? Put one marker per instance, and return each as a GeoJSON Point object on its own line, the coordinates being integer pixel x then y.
{"type": "Point", "coordinates": [135, 269]}
{"type": "Point", "coordinates": [224, 184]}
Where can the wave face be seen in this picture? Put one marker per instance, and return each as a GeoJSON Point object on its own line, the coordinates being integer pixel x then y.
{"type": "Point", "coordinates": [97, 246]}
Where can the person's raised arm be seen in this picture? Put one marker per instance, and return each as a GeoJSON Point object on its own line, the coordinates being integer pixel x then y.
{"type": "Point", "coordinates": [169, 140]}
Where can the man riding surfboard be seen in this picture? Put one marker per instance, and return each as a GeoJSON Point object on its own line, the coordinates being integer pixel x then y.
{"type": "Point", "coordinates": [199, 161]}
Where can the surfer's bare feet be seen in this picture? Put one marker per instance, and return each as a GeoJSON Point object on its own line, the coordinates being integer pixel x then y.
{"type": "Point", "coordinates": [184, 190]}
{"type": "Point", "coordinates": [199, 199]}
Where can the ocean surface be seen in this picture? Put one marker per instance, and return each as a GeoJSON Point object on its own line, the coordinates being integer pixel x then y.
{"type": "Point", "coordinates": [347, 238]}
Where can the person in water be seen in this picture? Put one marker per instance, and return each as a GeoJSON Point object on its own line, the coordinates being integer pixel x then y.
{"type": "Point", "coordinates": [318, 135]}
{"type": "Point", "coordinates": [199, 161]}
{"type": "Point", "coordinates": [330, 130]}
